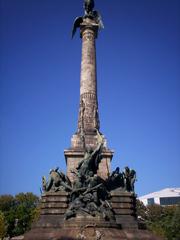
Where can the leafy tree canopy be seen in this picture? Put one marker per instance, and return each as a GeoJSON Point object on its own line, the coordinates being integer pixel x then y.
{"type": "Point", "coordinates": [6, 202]}
{"type": "Point", "coordinates": [163, 221]}
{"type": "Point", "coordinates": [2, 226]}
{"type": "Point", "coordinates": [19, 212]}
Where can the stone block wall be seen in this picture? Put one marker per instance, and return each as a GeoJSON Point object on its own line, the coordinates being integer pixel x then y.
{"type": "Point", "coordinates": [124, 206]}
{"type": "Point", "coordinates": [53, 208]}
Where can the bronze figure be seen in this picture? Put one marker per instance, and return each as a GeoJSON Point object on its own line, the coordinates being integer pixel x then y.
{"type": "Point", "coordinates": [89, 13]}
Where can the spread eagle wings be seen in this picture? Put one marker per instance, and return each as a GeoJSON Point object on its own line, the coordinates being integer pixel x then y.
{"type": "Point", "coordinates": [76, 25]}
{"type": "Point", "coordinates": [98, 18]}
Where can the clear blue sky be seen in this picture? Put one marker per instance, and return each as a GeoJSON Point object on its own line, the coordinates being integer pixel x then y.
{"type": "Point", "coordinates": [138, 57]}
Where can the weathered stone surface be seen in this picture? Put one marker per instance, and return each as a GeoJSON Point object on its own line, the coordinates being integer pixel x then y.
{"type": "Point", "coordinates": [127, 222]}
{"type": "Point", "coordinates": [53, 211]}
{"type": "Point", "coordinates": [54, 205]}
{"type": "Point", "coordinates": [87, 220]}
{"type": "Point", "coordinates": [124, 211]}
{"type": "Point", "coordinates": [122, 205]}
{"type": "Point", "coordinates": [122, 199]}
{"type": "Point", "coordinates": [88, 114]}
{"type": "Point", "coordinates": [90, 233]}
{"type": "Point", "coordinates": [117, 193]}
{"type": "Point", "coordinates": [88, 61]}
{"type": "Point", "coordinates": [55, 194]}
{"type": "Point", "coordinates": [54, 199]}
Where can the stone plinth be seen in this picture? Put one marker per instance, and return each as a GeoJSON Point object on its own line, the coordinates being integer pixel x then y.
{"type": "Point", "coordinates": [124, 206]}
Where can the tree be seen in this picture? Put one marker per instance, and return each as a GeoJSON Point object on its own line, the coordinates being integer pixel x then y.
{"type": "Point", "coordinates": [163, 221]}
{"type": "Point", "coordinates": [2, 226]}
{"type": "Point", "coordinates": [171, 222]}
{"type": "Point", "coordinates": [154, 212]}
{"type": "Point", "coordinates": [19, 212]}
{"type": "Point", "coordinates": [35, 214]}
{"type": "Point", "coordinates": [25, 205]}
{"type": "Point", "coordinates": [175, 225]}
{"type": "Point", "coordinates": [6, 202]}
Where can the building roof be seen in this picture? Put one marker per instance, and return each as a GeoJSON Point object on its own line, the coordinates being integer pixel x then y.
{"type": "Point", "coordinates": [167, 192]}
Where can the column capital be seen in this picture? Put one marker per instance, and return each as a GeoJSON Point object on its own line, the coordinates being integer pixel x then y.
{"type": "Point", "coordinates": [89, 24]}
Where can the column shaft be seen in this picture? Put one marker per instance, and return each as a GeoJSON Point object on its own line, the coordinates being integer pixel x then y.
{"type": "Point", "coordinates": [88, 111]}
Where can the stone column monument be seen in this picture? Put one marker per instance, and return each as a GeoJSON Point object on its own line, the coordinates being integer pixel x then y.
{"type": "Point", "coordinates": [88, 121]}
{"type": "Point", "coordinates": [89, 202]}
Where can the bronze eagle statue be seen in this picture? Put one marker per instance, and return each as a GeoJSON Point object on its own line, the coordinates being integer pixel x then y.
{"type": "Point", "coordinates": [89, 13]}
{"type": "Point", "coordinates": [88, 6]}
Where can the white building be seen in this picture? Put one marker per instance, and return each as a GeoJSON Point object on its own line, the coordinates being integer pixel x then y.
{"type": "Point", "coordinates": [167, 196]}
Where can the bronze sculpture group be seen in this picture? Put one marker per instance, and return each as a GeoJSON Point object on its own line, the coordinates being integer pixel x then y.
{"type": "Point", "coordinates": [89, 193]}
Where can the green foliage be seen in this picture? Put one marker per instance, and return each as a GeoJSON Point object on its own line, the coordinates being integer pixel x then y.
{"type": "Point", "coordinates": [19, 212]}
{"type": "Point", "coordinates": [2, 226]}
{"type": "Point", "coordinates": [171, 222]}
{"type": "Point", "coordinates": [141, 209]}
{"type": "Point", "coordinates": [6, 202]}
{"type": "Point", "coordinates": [163, 221]}
{"type": "Point", "coordinates": [154, 212]}
{"type": "Point", "coordinates": [35, 214]}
